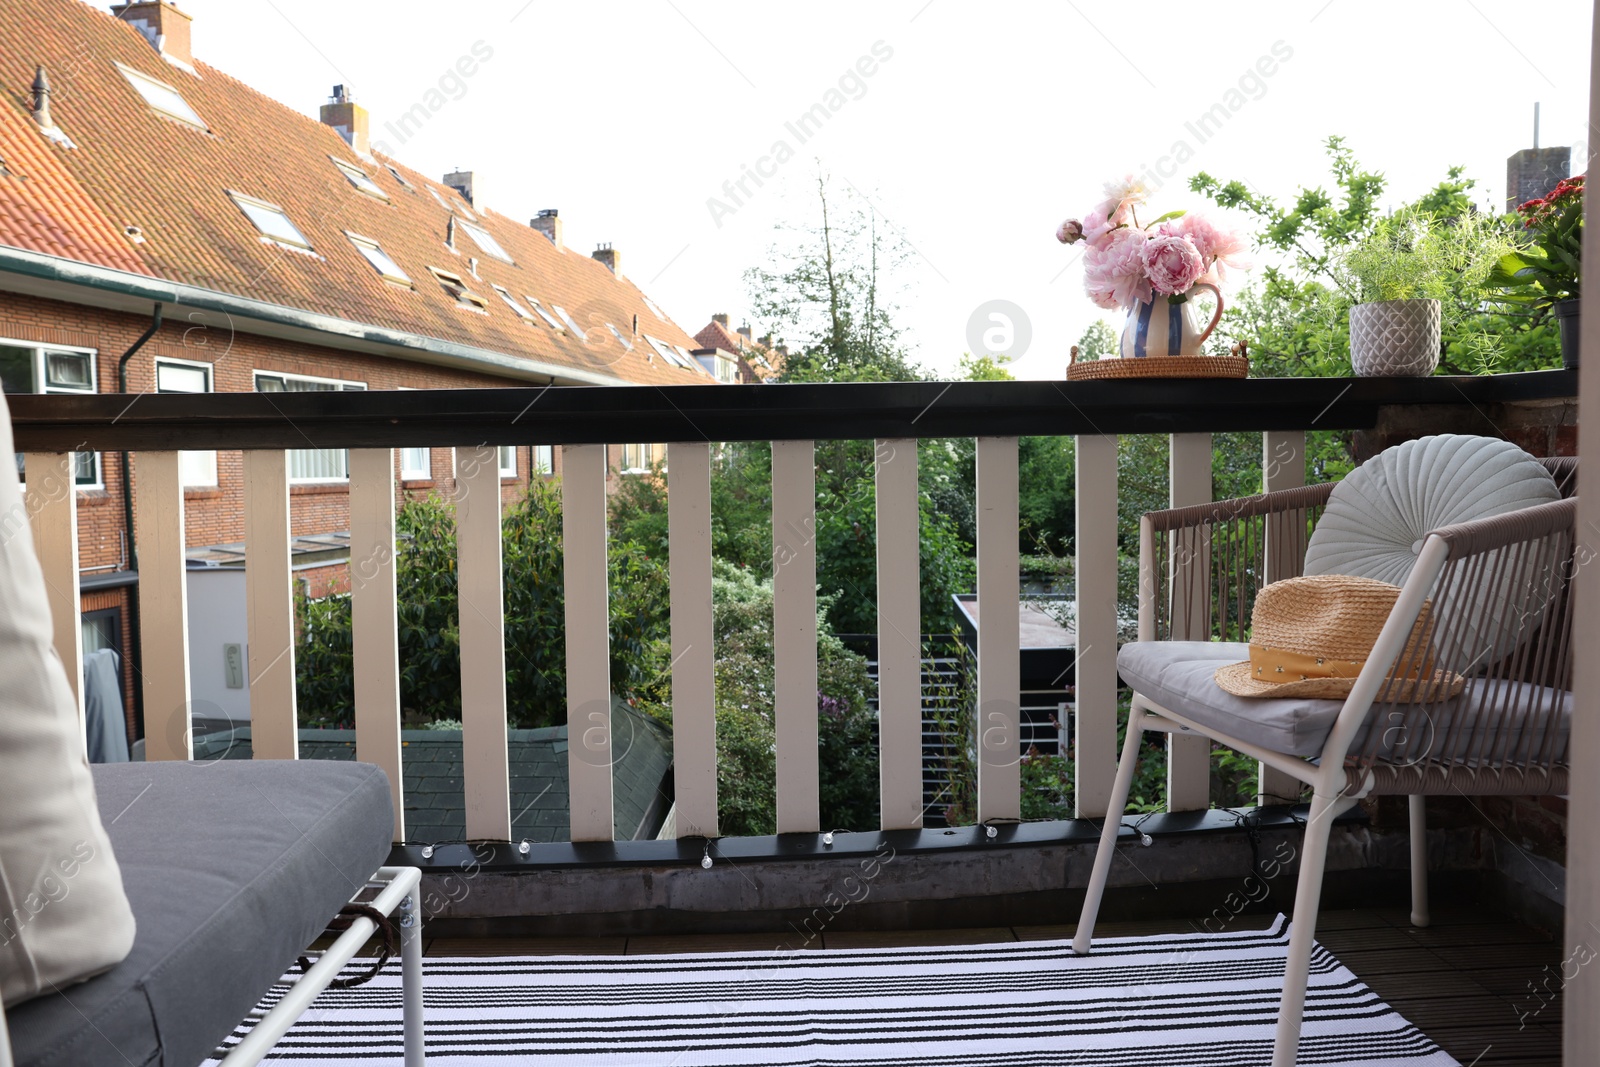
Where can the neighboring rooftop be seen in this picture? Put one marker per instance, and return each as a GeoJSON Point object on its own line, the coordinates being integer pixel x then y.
{"type": "Point", "coordinates": [155, 163]}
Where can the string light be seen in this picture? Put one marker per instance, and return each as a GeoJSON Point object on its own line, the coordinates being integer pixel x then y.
{"type": "Point", "coordinates": [427, 852]}
{"type": "Point", "coordinates": [705, 858]}
{"type": "Point", "coordinates": [523, 847]}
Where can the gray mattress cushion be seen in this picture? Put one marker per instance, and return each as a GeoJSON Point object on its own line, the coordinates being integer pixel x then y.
{"type": "Point", "coordinates": [1491, 720]}
{"type": "Point", "coordinates": [232, 868]}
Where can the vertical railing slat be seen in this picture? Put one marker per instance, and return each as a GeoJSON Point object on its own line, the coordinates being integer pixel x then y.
{"type": "Point", "coordinates": [999, 738]}
{"type": "Point", "coordinates": [269, 606]}
{"type": "Point", "coordinates": [694, 706]}
{"type": "Point", "coordinates": [485, 760]}
{"type": "Point", "coordinates": [163, 608]}
{"type": "Point", "coordinates": [52, 506]}
{"type": "Point", "coordinates": [1094, 720]}
{"type": "Point", "coordinates": [1283, 466]}
{"type": "Point", "coordinates": [583, 533]}
{"type": "Point", "coordinates": [794, 632]}
{"type": "Point", "coordinates": [375, 642]}
{"type": "Point", "coordinates": [1189, 757]}
{"type": "Point", "coordinates": [899, 636]}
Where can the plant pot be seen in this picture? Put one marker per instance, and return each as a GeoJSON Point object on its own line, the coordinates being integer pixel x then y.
{"type": "Point", "coordinates": [1567, 315]}
{"type": "Point", "coordinates": [1395, 338]}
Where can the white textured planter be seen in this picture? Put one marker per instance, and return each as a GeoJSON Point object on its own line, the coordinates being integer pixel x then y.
{"type": "Point", "coordinates": [1395, 338]}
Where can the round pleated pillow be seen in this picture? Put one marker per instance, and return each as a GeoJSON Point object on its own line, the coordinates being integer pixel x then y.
{"type": "Point", "coordinates": [1379, 516]}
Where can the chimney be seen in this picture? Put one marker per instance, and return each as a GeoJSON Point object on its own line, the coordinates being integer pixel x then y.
{"type": "Point", "coordinates": [41, 99]}
{"type": "Point", "coordinates": [450, 235]}
{"type": "Point", "coordinates": [766, 342]}
{"type": "Point", "coordinates": [163, 25]}
{"type": "Point", "coordinates": [610, 257]}
{"type": "Point", "coordinates": [349, 119]}
{"type": "Point", "coordinates": [744, 331]}
{"type": "Point", "coordinates": [461, 182]}
{"type": "Point", "coordinates": [721, 319]}
{"type": "Point", "coordinates": [549, 224]}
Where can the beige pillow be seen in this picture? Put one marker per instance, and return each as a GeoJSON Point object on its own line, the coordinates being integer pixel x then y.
{"type": "Point", "coordinates": [63, 914]}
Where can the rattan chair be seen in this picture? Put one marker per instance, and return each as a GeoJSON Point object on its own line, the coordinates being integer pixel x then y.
{"type": "Point", "coordinates": [1506, 733]}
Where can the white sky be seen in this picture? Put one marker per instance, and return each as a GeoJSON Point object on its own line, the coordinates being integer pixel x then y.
{"type": "Point", "coordinates": [987, 126]}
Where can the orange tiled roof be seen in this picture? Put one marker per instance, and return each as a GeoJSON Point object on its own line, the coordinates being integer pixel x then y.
{"type": "Point", "coordinates": [42, 209]}
{"type": "Point", "coordinates": [139, 167]}
{"type": "Point", "coordinates": [716, 335]}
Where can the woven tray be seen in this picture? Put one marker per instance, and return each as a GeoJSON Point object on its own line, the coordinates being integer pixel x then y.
{"type": "Point", "coordinates": [1160, 367]}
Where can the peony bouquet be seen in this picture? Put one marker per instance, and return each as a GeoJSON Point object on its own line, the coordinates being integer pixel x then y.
{"type": "Point", "coordinates": [1127, 264]}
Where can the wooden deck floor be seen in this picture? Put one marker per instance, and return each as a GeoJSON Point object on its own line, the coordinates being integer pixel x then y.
{"type": "Point", "coordinates": [1468, 981]}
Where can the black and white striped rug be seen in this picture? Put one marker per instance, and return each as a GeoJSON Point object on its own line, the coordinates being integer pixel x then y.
{"type": "Point", "coordinates": [1193, 999]}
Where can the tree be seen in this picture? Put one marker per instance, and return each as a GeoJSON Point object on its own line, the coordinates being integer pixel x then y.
{"type": "Point", "coordinates": [1098, 341]}
{"type": "Point", "coordinates": [831, 293]}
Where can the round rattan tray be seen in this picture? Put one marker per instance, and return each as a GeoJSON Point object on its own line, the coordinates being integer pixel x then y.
{"type": "Point", "coordinates": [1160, 367]}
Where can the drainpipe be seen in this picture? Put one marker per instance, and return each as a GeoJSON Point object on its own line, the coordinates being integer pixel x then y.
{"type": "Point", "coordinates": [127, 517]}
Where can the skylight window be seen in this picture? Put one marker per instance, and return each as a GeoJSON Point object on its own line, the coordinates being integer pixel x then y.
{"type": "Point", "coordinates": [360, 179]}
{"type": "Point", "coordinates": [626, 344]}
{"type": "Point", "coordinates": [374, 253]}
{"type": "Point", "coordinates": [665, 351]}
{"type": "Point", "coordinates": [401, 178]}
{"type": "Point", "coordinates": [577, 331]}
{"type": "Point", "coordinates": [486, 241]}
{"type": "Point", "coordinates": [522, 312]}
{"type": "Point", "coordinates": [464, 297]}
{"type": "Point", "coordinates": [453, 205]}
{"type": "Point", "coordinates": [555, 323]}
{"type": "Point", "coordinates": [271, 221]}
{"type": "Point", "coordinates": [689, 362]}
{"type": "Point", "coordinates": [657, 312]}
{"type": "Point", "coordinates": [163, 97]}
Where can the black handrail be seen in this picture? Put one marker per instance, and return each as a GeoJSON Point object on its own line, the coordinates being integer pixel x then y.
{"type": "Point", "coordinates": [596, 415]}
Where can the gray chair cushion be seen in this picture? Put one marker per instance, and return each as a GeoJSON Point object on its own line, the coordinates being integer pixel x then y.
{"type": "Point", "coordinates": [1488, 721]}
{"type": "Point", "coordinates": [232, 868]}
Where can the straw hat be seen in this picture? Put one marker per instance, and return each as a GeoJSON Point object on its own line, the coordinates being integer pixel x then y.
{"type": "Point", "coordinates": [1310, 637]}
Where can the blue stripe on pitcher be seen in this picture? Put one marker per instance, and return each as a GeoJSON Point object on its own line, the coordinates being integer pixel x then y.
{"type": "Point", "coordinates": [1174, 329]}
{"type": "Point", "coordinates": [1142, 334]}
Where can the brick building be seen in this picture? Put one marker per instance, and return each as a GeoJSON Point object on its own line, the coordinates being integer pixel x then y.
{"type": "Point", "coordinates": [164, 227]}
{"type": "Point", "coordinates": [735, 355]}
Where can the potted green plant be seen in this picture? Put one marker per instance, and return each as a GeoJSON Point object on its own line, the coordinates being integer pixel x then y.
{"type": "Point", "coordinates": [1544, 274]}
{"type": "Point", "coordinates": [1404, 277]}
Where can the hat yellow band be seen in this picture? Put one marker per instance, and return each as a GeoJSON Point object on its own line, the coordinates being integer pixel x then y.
{"type": "Point", "coordinates": [1278, 666]}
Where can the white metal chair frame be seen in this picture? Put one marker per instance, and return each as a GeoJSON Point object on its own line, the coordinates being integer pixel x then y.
{"type": "Point", "coordinates": [398, 897]}
{"type": "Point", "coordinates": [1530, 546]}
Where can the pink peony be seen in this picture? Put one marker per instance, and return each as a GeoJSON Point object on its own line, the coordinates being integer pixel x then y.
{"type": "Point", "coordinates": [1219, 248]}
{"type": "Point", "coordinates": [1173, 263]}
{"type": "Point", "coordinates": [1114, 272]}
{"type": "Point", "coordinates": [1103, 220]}
{"type": "Point", "coordinates": [1070, 232]}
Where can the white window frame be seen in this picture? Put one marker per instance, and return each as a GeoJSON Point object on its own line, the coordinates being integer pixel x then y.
{"type": "Point", "coordinates": [627, 345]}
{"type": "Point", "coordinates": [455, 204]}
{"type": "Point", "coordinates": [410, 473]}
{"type": "Point", "coordinates": [401, 178]}
{"type": "Point", "coordinates": [554, 323]}
{"type": "Point", "coordinates": [360, 179]}
{"type": "Point", "coordinates": [196, 470]}
{"type": "Point", "coordinates": [486, 241]}
{"type": "Point", "coordinates": [466, 299]}
{"type": "Point", "coordinates": [508, 461]}
{"type": "Point", "coordinates": [544, 460]}
{"type": "Point", "coordinates": [142, 82]}
{"type": "Point", "coordinates": [365, 244]}
{"type": "Point", "coordinates": [511, 301]}
{"type": "Point", "coordinates": [41, 383]}
{"type": "Point", "coordinates": [577, 331]}
{"type": "Point", "coordinates": [646, 453]}
{"type": "Point", "coordinates": [350, 385]}
{"type": "Point", "coordinates": [303, 244]}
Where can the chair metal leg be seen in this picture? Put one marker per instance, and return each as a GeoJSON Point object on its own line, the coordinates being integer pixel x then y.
{"type": "Point", "coordinates": [1303, 931]}
{"type": "Point", "coordinates": [411, 978]}
{"type": "Point", "coordinates": [1419, 860]}
{"type": "Point", "coordinates": [1107, 848]}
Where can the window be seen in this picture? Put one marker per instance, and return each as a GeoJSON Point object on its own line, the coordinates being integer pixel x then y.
{"type": "Point", "coordinates": [508, 461]}
{"type": "Point", "coordinates": [484, 240]}
{"type": "Point", "coordinates": [657, 312]}
{"type": "Point", "coordinates": [30, 368]}
{"type": "Point", "coordinates": [271, 221]}
{"type": "Point", "coordinates": [360, 179]}
{"type": "Point", "coordinates": [626, 344]}
{"type": "Point", "coordinates": [636, 458]}
{"type": "Point", "coordinates": [416, 464]}
{"type": "Point", "coordinates": [310, 464]}
{"type": "Point", "coordinates": [688, 360]}
{"type": "Point", "coordinates": [577, 331]}
{"type": "Point", "coordinates": [387, 268]}
{"type": "Point", "coordinates": [544, 459]}
{"type": "Point", "coordinates": [464, 297]}
{"type": "Point", "coordinates": [195, 469]}
{"type": "Point", "coordinates": [511, 302]}
{"type": "Point", "coordinates": [401, 178]}
{"type": "Point", "coordinates": [665, 351]}
{"type": "Point", "coordinates": [452, 203]}
{"type": "Point", "coordinates": [555, 323]}
{"type": "Point", "coordinates": [163, 97]}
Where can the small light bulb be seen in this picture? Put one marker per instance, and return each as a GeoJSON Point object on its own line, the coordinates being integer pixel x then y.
{"type": "Point", "coordinates": [705, 857]}
{"type": "Point", "coordinates": [523, 847]}
{"type": "Point", "coordinates": [1145, 839]}
{"type": "Point", "coordinates": [427, 852]}
{"type": "Point", "coordinates": [989, 831]}
{"type": "Point", "coordinates": [827, 838]}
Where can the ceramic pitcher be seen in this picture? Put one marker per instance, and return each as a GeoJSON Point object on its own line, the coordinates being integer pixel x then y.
{"type": "Point", "coordinates": [1161, 328]}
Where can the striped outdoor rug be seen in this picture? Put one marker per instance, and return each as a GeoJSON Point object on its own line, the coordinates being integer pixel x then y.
{"type": "Point", "coordinates": [1136, 1002]}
